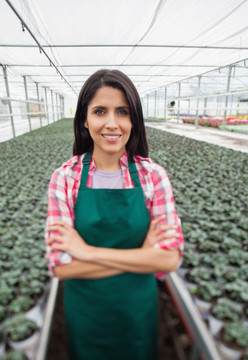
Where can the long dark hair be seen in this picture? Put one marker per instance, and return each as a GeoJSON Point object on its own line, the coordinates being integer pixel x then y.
{"type": "Point", "coordinates": [137, 143]}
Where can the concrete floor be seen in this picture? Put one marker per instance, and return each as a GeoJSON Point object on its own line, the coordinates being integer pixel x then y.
{"type": "Point", "coordinates": [231, 140]}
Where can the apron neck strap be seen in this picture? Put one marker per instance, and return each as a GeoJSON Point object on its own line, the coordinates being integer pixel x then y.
{"type": "Point", "coordinates": [134, 174]}
{"type": "Point", "coordinates": [86, 164]}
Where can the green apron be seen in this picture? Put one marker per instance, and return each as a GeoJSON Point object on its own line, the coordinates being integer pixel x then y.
{"type": "Point", "coordinates": [113, 318]}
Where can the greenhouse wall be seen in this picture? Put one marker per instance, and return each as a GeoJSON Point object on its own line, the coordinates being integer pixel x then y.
{"type": "Point", "coordinates": [26, 105]}
{"type": "Point", "coordinates": [221, 93]}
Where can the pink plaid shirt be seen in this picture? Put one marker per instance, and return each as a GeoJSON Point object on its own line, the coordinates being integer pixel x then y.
{"type": "Point", "coordinates": [158, 195]}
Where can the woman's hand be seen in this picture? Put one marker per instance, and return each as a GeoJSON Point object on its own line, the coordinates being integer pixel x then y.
{"type": "Point", "coordinates": [157, 233]}
{"type": "Point", "coordinates": [68, 240]}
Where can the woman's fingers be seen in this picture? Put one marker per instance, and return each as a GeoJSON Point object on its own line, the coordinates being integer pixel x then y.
{"type": "Point", "coordinates": [57, 246]}
{"type": "Point", "coordinates": [57, 227]}
{"type": "Point", "coordinates": [62, 224]}
{"type": "Point", "coordinates": [155, 221]}
{"type": "Point", "coordinates": [55, 237]}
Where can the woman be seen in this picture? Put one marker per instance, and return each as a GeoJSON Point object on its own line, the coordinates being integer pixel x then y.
{"type": "Point", "coordinates": [111, 225]}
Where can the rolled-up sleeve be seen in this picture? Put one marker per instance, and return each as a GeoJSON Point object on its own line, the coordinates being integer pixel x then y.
{"type": "Point", "coordinates": [163, 204]}
{"type": "Point", "coordinates": [58, 209]}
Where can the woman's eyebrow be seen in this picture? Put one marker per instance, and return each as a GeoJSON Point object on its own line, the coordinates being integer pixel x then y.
{"type": "Point", "coordinates": [104, 107]}
{"type": "Point", "coordinates": [99, 107]}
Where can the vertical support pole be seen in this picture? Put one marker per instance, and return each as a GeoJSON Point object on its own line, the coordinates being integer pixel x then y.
{"type": "Point", "coordinates": [189, 107]}
{"type": "Point", "coordinates": [227, 96]}
{"type": "Point", "coordinates": [63, 106]}
{"type": "Point", "coordinates": [52, 106]}
{"type": "Point", "coordinates": [60, 107]}
{"type": "Point", "coordinates": [27, 103]}
{"type": "Point", "coordinates": [38, 98]}
{"type": "Point", "coordinates": [178, 102]}
{"type": "Point", "coordinates": [155, 104]}
{"type": "Point", "coordinates": [8, 95]}
{"type": "Point", "coordinates": [147, 106]}
{"type": "Point", "coordinates": [238, 103]}
{"type": "Point", "coordinates": [198, 101]}
{"type": "Point", "coordinates": [47, 108]}
{"type": "Point", "coordinates": [56, 106]}
{"type": "Point", "coordinates": [231, 105]}
{"type": "Point", "coordinates": [165, 102]}
{"type": "Point", "coordinates": [217, 106]}
{"type": "Point", "coordinates": [205, 106]}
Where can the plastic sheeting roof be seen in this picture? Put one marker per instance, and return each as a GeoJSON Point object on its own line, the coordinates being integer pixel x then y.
{"type": "Point", "coordinates": [155, 42]}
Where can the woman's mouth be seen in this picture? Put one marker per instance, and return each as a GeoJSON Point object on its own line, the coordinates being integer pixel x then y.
{"type": "Point", "coordinates": [111, 138]}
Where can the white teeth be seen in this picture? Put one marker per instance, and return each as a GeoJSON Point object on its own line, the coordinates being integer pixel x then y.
{"type": "Point", "coordinates": [111, 136]}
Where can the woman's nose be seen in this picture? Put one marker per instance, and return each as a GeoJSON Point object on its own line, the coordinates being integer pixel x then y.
{"type": "Point", "coordinates": [112, 121]}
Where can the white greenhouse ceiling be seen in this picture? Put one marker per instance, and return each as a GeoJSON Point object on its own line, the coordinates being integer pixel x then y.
{"type": "Point", "coordinates": [155, 42]}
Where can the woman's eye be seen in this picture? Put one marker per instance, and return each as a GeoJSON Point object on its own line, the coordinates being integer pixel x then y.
{"type": "Point", "coordinates": [123, 112]}
{"type": "Point", "coordinates": [99, 111]}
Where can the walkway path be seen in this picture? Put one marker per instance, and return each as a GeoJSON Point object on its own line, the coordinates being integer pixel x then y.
{"type": "Point", "coordinates": [231, 140]}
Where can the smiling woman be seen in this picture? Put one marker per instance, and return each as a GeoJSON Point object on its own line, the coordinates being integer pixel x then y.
{"type": "Point", "coordinates": [109, 124]}
{"type": "Point", "coordinates": [112, 224]}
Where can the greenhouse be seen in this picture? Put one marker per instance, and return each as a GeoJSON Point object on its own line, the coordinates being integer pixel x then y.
{"type": "Point", "coordinates": [189, 64]}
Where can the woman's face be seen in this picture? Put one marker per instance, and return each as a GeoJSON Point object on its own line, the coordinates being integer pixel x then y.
{"type": "Point", "coordinates": [108, 121]}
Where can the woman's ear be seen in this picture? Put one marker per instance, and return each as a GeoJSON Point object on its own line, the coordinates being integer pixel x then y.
{"type": "Point", "coordinates": [86, 124]}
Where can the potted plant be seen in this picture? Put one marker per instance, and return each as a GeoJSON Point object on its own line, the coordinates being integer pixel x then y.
{"type": "Point", "coordinates": [38, 274]}
{"type": "Point", "coordinates": [224, 310]}
{"type": "Point", "coordinates": [13, 355]}
{"type": "Point", "coordinates": [233, 340]}
{"type": "Point", "coordinates": [212, 259]}
{"type": "Point", "coordinates": [237, 257]}
{"type": "Point", "coordinates": [206, 293]}
{"type": "Point", "coordinates": [21, 333]}
{"type": "Point", "coordinates": [237, 290]}
{"type": "Point", "coordinates": [25, 304]}
{"type": "Point", "coordinates": [190, 258]}
{"type": "Point", "coordinates": [20, 304]}
{"type": "Point", "coordinates": [6, 293]}
{"type": "Point", "coordinates": [208, 246]}
{"type": "Point", "coordinates": [34, 288]}
{"type": "Point", "coordinates": [12, 277]}
{"type": "Point", "coordinates": [229, 243]}
{"type": "Point", "coordinates": [196, 236]}
{"type": "Point", "coordinates": [198, 274]}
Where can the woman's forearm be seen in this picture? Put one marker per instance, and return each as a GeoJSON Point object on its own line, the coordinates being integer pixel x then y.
{"type": "Point", "coordinates": [84, 270]}
{"type": "Point", "coordinates": [142, 260]}
{"type": "Point", "coordinates": [147, 259]}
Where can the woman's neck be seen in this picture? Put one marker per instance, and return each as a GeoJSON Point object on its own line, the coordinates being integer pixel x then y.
{"type": "Point", "coordinates": [107, 162]}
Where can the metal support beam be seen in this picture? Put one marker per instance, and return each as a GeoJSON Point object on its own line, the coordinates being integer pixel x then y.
{"type": "Point", "coordinates": [38, 98]}
{"type": "Point", "coordinates": [52, 106]}
{"type": "Point", "coordinates": [63, 106]}
{"type": "Point", "coordinates": [180, 46]}
{"type": "Point", "coordinates": [43, 343]}
{"type": "Point", "coordinates": [57, 106]}
{"type": "Point", "coordinates": [178, 102]}
{"type": "Point", "coordinates": [165, 102]}
{"type": "Point", "coordinates": [226, 98]}
{"type": "Point", "coordinates": [203, 341]}
{"type": "Point", "coordinates": [47, 108]}
{"type": "Point", "coordinates": [197, 101]}
{"type": "Point", "coordinates": [147, 106]}
{"type": "Point", "coordinates": [8, 95]}
{"type": "Point", "coordinates": [155, 103]}
{"type": "Point", "coordinates": [27, 104]}
{"type": "Point", "coordinates": [25, 26]}
{"type": "Point", "coordinates": [205, 106]}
